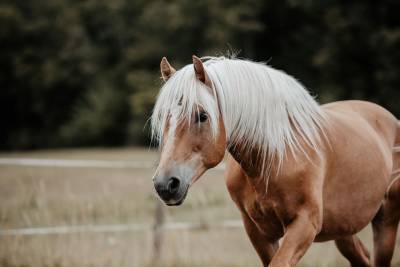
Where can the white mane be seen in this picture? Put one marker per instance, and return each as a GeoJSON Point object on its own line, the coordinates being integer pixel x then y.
{"type": "Point", "coordinates": [260, 106]}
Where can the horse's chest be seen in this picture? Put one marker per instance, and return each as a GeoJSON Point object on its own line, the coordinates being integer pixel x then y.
{"type": "Point", "coordinates": [265, 215]}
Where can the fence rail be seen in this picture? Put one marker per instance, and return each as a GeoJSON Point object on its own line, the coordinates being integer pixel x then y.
{"type": "Point", "coordinates": [80, 163]}
{"type": "Point", "coordinates": [73, 229]}
{"type": "Point", "coordinates": [159, 226]}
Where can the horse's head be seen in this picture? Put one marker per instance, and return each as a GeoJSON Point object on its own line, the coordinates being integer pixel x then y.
{"type": "Point", "coordinates": [189, 128]}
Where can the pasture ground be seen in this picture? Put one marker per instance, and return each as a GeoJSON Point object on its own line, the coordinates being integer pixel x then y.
{"type": "Point", "coordinates": [53, 196]}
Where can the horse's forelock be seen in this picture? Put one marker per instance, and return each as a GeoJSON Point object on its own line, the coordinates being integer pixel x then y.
{"type": "Point", "coordinates": [183, 95]}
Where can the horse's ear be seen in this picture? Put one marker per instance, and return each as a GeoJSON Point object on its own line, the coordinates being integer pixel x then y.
{"type": "Point", "coordinates": [166, 69]}
{"type": "Point", "coordinates": [201, 73]}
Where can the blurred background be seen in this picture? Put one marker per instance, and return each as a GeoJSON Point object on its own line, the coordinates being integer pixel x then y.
{"type": "Point", "coordinates": [78, 80]}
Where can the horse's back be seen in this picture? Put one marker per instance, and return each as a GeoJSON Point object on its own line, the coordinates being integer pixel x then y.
{"type": "Point", "coordinates": [383, 123]}
{"type": "Point", "coordinates": [381, 120]}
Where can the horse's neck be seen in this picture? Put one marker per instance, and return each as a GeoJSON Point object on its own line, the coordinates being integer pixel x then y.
{"type": "Point", "coordinates": [251, 161]}
{"type": "Point", "coordinates": [256, 166]}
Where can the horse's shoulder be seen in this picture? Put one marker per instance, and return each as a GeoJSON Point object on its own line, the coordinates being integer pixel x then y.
{"type": "Point", "coordinates": [234, 174]}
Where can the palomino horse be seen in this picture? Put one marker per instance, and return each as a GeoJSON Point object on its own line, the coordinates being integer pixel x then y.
{"type": "Point", "coordinates": [297, 171]}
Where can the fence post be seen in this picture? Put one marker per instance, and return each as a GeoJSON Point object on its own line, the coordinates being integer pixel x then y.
{"type": "Point", "coordinates": [159, 217]}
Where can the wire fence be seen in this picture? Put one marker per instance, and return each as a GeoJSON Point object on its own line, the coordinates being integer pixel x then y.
{"type": "Point", "coordinates": [158, 226]}
{"type": "Point", "coordinates": [159, 217]}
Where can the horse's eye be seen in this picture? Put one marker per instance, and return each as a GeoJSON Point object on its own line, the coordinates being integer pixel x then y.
{"type": "Point", "coordinates": [201, 117]}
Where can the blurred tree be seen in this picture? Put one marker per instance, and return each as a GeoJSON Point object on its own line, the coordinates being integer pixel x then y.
{"type": "Point", "coordinates": [50, 58]}
{"type": "Point", "coordinates": [341, 50]}
{"type": "Point", "coordinates": [86, 72]}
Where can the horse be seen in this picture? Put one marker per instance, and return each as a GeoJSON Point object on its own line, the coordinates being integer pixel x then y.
{"type": "Point", "coordinates": [299, 172]}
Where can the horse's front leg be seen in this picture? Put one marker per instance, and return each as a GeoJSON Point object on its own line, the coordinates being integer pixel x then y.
{"type": "Point", "coordinates": [265, 247]}
{"type": "Point", "coordinates": [298, 237]}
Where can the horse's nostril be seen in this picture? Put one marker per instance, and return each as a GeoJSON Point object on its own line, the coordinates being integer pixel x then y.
{"type": "Point", "coordinates": [173, 185]}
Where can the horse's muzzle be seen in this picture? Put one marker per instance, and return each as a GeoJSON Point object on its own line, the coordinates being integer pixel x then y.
{"type": "Point", "coordinates": [172, 190]}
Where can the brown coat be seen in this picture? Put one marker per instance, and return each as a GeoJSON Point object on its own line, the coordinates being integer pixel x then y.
{"type": "Point", "coordinates": [331, 197]}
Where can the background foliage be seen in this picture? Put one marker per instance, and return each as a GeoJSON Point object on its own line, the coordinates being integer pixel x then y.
{"type": "Point", "coordinates": [85, 72]}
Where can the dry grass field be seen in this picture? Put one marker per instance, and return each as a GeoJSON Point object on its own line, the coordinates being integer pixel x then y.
{"type": "Point", "coordinates": [55, 196]}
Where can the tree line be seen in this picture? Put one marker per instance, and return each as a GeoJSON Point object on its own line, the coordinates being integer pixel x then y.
{"type": "Point", "coordinates": [86, 72]}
